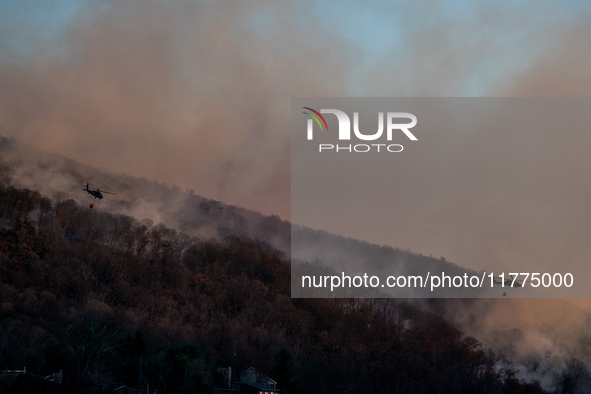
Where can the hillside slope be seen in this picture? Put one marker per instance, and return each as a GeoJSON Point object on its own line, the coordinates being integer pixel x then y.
{"type": "Point", "coordinates": [186, 305]}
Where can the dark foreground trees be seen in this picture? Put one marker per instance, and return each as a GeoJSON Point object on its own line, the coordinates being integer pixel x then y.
{"type": "Point", "coordinates": [126, 301]}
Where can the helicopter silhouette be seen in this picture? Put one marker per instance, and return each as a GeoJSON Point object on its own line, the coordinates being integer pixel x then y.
{"type": "Point", "coordinates": [96, 193]}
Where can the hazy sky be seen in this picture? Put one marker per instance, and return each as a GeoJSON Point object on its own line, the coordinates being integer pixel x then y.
{"type": "Point", "coordinates": [197, 93]}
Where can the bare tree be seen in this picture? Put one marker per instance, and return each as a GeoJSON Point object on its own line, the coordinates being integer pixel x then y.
{"type": "Point", "coordinates": [88, 339]}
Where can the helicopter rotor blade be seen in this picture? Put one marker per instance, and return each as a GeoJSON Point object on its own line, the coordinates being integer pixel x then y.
{"type": "Point", "coordinates": [107, 192]}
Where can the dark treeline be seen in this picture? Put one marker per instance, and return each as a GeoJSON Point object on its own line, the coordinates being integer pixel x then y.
{"type": "Point", "coordinates": [108, 296]}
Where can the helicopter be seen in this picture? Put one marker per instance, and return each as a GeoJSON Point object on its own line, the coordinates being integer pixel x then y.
{"type": "Point", "coordinates": [96, 193]}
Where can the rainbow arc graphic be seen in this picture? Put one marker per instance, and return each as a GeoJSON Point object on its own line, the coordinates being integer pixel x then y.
{"type": "Point", "coordinates": [316, 117]}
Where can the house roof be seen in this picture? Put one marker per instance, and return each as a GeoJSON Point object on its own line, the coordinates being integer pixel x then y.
{"type": "Point", "coordinates": [260, 373]}
{"type": "Point", "coordinates": [6, 381]}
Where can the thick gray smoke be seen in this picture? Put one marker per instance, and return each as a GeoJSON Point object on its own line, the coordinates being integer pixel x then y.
{"type": "Point", "coordinates": [190, 93]}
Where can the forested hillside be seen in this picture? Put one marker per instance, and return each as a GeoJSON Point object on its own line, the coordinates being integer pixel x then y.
{"type": "Point", "coordinates": [90, 292]}
{"type": "Point", "coordinates": [61, 178]}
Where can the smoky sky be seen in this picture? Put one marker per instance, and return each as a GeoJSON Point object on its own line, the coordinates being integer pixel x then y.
{"type": "Point", "coordinates": [198, 93]}
{"type": "Point", "coordinates": [194, 94]}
